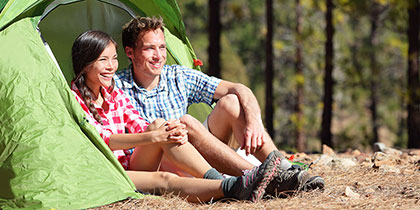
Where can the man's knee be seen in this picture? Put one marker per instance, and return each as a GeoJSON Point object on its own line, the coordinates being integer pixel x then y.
{"type": "Point", "coordinates": [229, 104]}
{"type": "Point", "coordinates": [156, 124]}
{"type": "Point", "coordinates": [196, 130]}
{"type": "Point", "coordinates": [190, 121]}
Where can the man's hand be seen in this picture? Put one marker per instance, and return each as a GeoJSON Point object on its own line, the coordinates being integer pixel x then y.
{"type": "Point", "coordinates": [253, 134]}
{"type": "Point", "coordinates": [253, 139]}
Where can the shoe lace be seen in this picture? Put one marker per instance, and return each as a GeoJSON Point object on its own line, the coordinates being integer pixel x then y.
{"type": "Point", "coordinates": [246, 171]}
{"type": "Point", "coordinates": [288, 174]}
{"type": "Point", "coordinates": [250, 175]}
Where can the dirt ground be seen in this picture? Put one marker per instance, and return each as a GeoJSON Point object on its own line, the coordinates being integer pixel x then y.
{"type": "Point", "coordinates": [354, 180]}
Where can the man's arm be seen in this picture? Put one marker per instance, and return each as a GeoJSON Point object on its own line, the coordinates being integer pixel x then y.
{"type": "Point", "coordinates": [253, 134]}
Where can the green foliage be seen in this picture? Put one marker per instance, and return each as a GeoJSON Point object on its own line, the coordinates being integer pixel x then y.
{"type": "Point", "coordinates": [243, 39]}
{"type": "Point", "coordinates": [233, 68]}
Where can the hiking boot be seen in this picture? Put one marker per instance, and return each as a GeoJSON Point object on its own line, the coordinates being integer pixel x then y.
{"type": "Point", "coordinates": [287, 182]}
{"type": "Point", "coordinates": [254, 182]}
{"type": "Point", "coordinates": [315, 182]}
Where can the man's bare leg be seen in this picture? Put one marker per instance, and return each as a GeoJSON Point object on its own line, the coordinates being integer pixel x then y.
{"type": "Point", "coordinates": [216, 152]}
{"type": "Point", "coordinates": [228, 118]}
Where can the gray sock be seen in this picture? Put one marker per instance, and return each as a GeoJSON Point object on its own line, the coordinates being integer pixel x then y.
{"type": "Point", "coordinates": [213, 174]}
{"type": "Point", "coordinates": [229, 188]}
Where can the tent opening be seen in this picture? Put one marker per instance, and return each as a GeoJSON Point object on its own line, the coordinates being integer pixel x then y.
{"type": "Point", "coordinates": [63, 21]}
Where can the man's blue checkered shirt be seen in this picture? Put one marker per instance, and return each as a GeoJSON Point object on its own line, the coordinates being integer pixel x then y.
{"type": "Point", "coordinates": [178, 88]}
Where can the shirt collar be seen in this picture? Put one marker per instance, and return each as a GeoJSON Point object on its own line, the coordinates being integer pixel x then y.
{"type": "Point", "coordinates": [130, 83]}
{"type": "Point", "coordinates": [127, 79]}
{"type": "Point", "coordinates": [106, 93]}
{"type": "Point", "coordinates": [163, 82]}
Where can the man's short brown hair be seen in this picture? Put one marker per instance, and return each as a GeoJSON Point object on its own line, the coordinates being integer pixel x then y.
{"type": "Point", "coordinates": [137, 26]}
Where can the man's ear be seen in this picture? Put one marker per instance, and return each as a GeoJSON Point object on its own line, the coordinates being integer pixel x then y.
{"type": "Point", "coordinates": [129, 52]}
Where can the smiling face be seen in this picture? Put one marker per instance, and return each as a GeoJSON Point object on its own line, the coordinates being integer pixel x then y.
{"type": "Point", "coordinates": [101, 71]}
{"type": "Point", "coordinates": [149, 55]}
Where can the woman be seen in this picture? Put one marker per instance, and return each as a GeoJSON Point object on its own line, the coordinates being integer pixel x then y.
{"type": "Point", "coordinates": [110, 111]}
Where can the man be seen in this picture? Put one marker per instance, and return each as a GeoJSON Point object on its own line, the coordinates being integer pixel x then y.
{"type": "Point", "coordinates": [161, 91]}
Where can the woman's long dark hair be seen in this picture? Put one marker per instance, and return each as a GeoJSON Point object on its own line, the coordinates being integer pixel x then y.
{"type": "Point", "coordinates": [87, 47]}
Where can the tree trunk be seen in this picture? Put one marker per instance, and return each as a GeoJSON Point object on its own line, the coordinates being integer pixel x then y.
{"type": "Point", "coordinates": [300, 136]}
{"type": "Point", "coordinates": [413, 108]}
{"type": "Point", "coordinates": [326, 136]}
{"type": "Point", "coordinates": [269, 109]}
{"type": "Point", "coordinates": [215, 28]}
{"type": "Point", "coordinates": [374, 20]}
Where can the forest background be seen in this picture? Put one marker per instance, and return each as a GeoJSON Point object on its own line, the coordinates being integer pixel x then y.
{"type": "Point", "coordinates": [369, 65]}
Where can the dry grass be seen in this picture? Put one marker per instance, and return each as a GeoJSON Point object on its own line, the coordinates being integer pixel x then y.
{"type": "Point", "coordinates": [378, 188]}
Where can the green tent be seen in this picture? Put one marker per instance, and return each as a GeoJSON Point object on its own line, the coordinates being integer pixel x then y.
{"type": "Point", "coordinates": [50, 157]}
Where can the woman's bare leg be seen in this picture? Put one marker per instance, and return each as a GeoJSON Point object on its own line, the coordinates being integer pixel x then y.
{"type": "Point", "coordinates": [185, 157]}
{"type": "Point", "coordinates": [194, 190]}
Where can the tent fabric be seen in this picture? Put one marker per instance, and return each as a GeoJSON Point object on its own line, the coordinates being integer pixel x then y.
{"type": "Point", "coordinates": [46, 157]}
{"type": "Point", "coordinates": [2, 4]}
{"type": "Point", "coordinates": [50, 157]}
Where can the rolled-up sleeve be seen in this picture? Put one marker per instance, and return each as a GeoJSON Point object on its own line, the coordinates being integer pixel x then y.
{"type": "Point", "coordinates": [201, 87]}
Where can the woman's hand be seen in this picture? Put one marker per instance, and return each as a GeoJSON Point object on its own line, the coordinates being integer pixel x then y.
{"type": "Point", "coordinates": [159, 131]}
{"type": "Point", "coordinates": [172, 131]}
{"type": "Point", "coordinates": [178, 131]}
